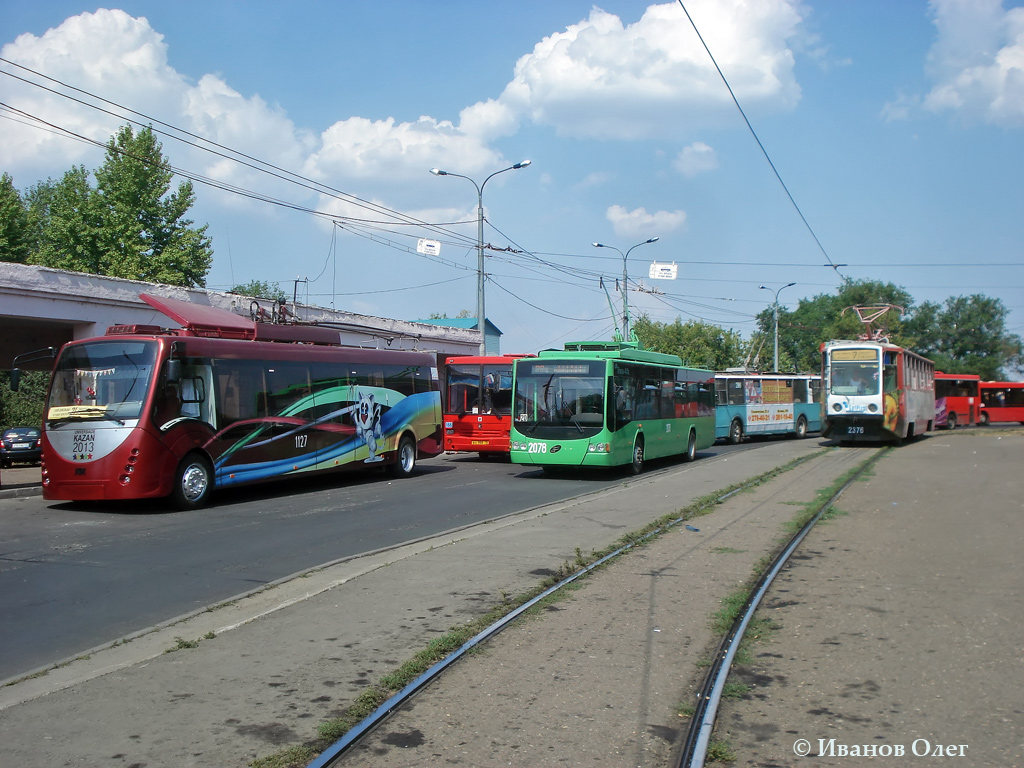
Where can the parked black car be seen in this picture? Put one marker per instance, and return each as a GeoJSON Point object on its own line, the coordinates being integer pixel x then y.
{"type": "Point", "coordinates": [20, 444]}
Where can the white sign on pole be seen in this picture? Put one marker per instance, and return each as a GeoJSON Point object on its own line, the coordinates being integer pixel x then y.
{"type": "Point", "coordinates": [428, 247]}
{"type": "Point", "coordinates": [663, 271]}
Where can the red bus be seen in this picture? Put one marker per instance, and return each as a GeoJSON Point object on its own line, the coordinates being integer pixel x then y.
{"type": "Point", "coordinates": [470, 427]}
{"type": "Point", "coordinates": [875, 390]}
{"type": "Point", "coordinates": [146, 412]}
{"type": "Point", "coordinates": [1001, 401]}
{"type": "Point", "coordinates": [957, 399]}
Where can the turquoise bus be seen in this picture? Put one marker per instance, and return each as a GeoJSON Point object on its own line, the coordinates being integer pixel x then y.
{"type": "Point", "coordinates": [766, 404]}
{"type": "Point", "coordinates": [608, 404]}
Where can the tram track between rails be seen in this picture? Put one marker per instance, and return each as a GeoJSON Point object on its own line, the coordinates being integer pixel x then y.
{"type": "Point", "coordinates": [695, 748]}
{"type": "Point", "coordinates": [338, 751]}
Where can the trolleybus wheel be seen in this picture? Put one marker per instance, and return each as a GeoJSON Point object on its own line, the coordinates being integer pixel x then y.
{"type": "Point", "coordinates": [691, 448]}
{"type": "Point", "coordinates": [736, 432]}
{"type": "Point", "coordinates": [193, 481]}
{"type": "Point", "coordinates": [801, 428]}
{"type": "Point", "coordinates": [638, 457]}
{"type": "Point", "coordinates": [405, 458]}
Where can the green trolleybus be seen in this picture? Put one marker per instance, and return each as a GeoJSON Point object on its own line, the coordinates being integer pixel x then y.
{"type": "Point", "coordinates": [607, 404]}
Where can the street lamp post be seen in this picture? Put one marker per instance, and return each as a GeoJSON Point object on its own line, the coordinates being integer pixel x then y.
{"type": "Point", "coordinates": [480, 241]}
{"type": "Point", "coordinates": [625, 277]}
{"type": "Point", "coordinates": [766, 288]}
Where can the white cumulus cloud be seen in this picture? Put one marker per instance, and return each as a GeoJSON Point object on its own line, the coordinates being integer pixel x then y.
{"type": "Point", "coordinates": [638, 223]}
{"type": "Point", "coordinates": [602, 79]}
{"type": "Point", "coordinates": [977, 61]}
{"type": "Point", "coordinates": [695, 159]}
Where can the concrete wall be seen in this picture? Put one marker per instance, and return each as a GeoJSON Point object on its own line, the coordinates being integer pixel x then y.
{"type": "Point", "coordinates": [41, 307]}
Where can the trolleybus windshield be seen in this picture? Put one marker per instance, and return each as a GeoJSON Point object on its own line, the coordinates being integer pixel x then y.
{"type": "Point", "coordinates": [101, 380]}
{"type": "Point", "coordinates": [464, 384]}
{"type": "Point", "coordinates": [559, 399]}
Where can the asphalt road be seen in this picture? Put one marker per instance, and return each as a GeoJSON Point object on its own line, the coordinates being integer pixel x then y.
{"type": "Point", "coordinates": [76, 576]}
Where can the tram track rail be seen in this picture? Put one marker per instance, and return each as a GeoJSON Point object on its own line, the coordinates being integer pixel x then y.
{"type": "Point", "coordinates": [695, 747]}
{"type": "Point", "coordinates": [341, 747]}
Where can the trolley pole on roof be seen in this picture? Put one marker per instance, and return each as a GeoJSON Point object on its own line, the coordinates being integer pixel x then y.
{"type": "Point", "coordinates": [480, 242]}
{"type": "Point", "coordinates": [766, 288]}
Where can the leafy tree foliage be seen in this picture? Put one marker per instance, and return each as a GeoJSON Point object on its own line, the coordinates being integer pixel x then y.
{"type": "Point", "coordinates": [23, 408]}
{"type": "Point", "coordinates": [129, 225]}
{"type": "Point", "coordinates": [14, 229]}
{"type": "Point", "coordinates": [967, 335]}
{"type": "Point", "coordinates": [964, 335]}
{"type": "Point", "coordinates": [260, 289]}
{"type": "Point", "coordinates": [464, 314]}
{"type": "Point", "coordinates": [828, 316]}
{"type": "Point", "coordinates": [699, 344]}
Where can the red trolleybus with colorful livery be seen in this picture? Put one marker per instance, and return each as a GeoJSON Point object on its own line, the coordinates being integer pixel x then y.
{"type": "Point", "coordinates": [957, 399]}
{"type": "Point", "coordinates": [475, 423]}
{"type": "Point", "coordinates": [875, 390]}
{"type": "Point", "coordinates": [146, 412]}
{"type": "Point", "coordinates": [1001, 401]}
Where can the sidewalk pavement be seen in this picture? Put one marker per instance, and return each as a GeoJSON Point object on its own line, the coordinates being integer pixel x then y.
{"type": "Point", "coordinates": [596, 679]}
{"type": "Point", "coordinates": [20, 480]}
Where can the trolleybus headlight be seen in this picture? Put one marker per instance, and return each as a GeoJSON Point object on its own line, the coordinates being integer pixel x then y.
{"type": "Point", "coordinates": [872, 407]}
{"type": "Point", "coordinates": [837, 407]}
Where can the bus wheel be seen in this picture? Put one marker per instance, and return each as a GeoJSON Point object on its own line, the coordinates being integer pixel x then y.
{"type": "Point", "coordinates": [801, 428]}
{"type": "Point", "coordinates": [983, 419]}
{"type": "Point", "coordinates": [691, 448]}
{"type": "Point", "coordinates": [951, 421]}
{"type": "Point", "coordinates": [638, 457]}
{"type": "Point", "coordinates": [405, 458]}
{"type": "Point", "coordinates": [736, 432]}
{"type": "Point", "coordinates": [193, 481]}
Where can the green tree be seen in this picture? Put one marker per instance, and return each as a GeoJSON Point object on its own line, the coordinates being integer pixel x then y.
{"type": "Point", "coordinates": [967, 335]}
{"type": "Point", "coordinates": [66, 224]}
{"type": "Point", "coordinates": [699, 344]}
{"type": "Point", "coordinates": [145, 233]}
{"type": "Point", "coordinates": [23, 408]}
{"type": "Point", "coordinates": [828, 316]}
{"type": "Point", "coordinates": [260, 289]}
{"type": "Point", "coordinates": [14, 223]}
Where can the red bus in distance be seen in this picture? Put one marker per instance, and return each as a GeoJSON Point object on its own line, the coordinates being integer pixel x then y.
{"type": "Point", "coordinates": [1001, 401]}
{"type": "Point", "coordinates": [957, 399]}
{"type": "Point", "coordinates": [469, 425]}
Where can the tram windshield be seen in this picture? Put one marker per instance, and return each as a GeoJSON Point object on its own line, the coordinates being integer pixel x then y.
{"type": "Point", "coordinates": [101, 380]}
{"type": "Point", "coordinates": [854, 377]}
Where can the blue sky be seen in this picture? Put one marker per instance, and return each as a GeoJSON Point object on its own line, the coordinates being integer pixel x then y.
{"type": "Point", "coordinates": [896, 126]}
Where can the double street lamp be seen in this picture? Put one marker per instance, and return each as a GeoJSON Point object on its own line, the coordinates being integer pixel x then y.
{"type": "Point", "coordinates": [480, 241]}
{"type": "Point", "coordinates": [766, 288]}
{"type": "Point", "coordinates": [625, 278]}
